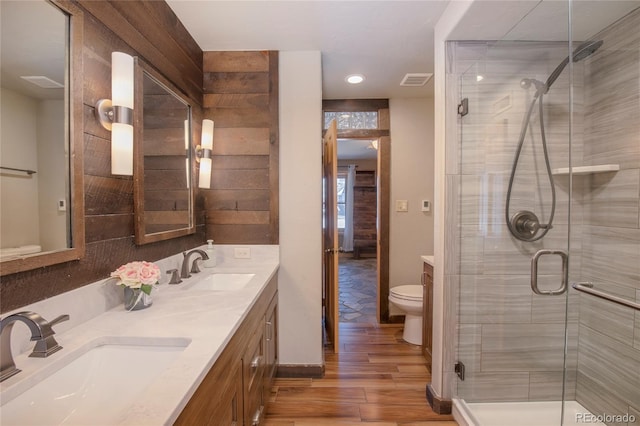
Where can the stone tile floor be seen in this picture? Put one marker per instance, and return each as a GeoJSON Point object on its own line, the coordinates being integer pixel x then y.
{"type": "Point", "coordinates": [357, 288]}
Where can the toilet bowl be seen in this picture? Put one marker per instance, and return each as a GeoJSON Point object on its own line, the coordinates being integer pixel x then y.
{"type": "Point", "coordinates": [408, 298]}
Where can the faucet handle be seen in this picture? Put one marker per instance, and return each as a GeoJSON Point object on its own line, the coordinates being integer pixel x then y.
{"type": "Point", "coordinates": [47, 345]}
{"type": "Point", "coordinates": [58, 320]}
{"type": "Point", "coordinates": [175, 277]}
{"type": "Point", "coordinates": [194, 267]}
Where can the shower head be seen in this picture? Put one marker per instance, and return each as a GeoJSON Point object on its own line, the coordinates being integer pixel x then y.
{"type": "Point", "coordinates": [586, 49]}
{"type": "Point", "coordinates": [581, 52]}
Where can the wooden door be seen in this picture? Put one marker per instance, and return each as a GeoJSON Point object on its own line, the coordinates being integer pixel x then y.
{"type": "Point", "coordinates": [330, 245]}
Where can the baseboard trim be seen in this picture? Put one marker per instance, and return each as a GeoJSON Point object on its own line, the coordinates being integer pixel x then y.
{"type": "Point", "coordinates": [300, 371]}
{"type": "Point", "coordinates": [438, 405]}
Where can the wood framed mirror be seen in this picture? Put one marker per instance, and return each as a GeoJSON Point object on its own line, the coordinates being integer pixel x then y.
{"type": "Point", "coordinates": [162, 170]}
{"type": "Point", "coordinates": [42, 135]}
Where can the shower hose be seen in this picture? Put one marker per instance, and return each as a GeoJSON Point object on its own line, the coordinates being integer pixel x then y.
{"type": "Point", "coordinates": [541, 88]}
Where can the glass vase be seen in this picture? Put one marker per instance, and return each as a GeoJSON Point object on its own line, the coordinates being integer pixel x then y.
{"type": "Point", "coordinates": [136, 299]}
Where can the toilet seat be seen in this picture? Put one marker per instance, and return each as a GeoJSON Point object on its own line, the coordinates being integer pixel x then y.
{"type": "Point", "coordinates": [411, 293]}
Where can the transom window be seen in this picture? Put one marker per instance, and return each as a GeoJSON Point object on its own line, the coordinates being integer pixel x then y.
{"type": "Point", "coordinates": [352, 120]}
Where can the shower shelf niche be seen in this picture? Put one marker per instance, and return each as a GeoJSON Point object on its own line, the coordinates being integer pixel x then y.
{"type": "Point", "coordinates": [587, 170]}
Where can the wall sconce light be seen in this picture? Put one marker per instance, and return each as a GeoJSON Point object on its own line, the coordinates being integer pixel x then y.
{"type": "Point", "coordinates": [203, 154]}
{"type": "Point", "coordinates": [116, 114]}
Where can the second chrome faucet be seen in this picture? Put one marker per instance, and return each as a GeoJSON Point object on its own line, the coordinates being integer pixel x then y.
{"type": "Point", "coordinates": [184, 270]}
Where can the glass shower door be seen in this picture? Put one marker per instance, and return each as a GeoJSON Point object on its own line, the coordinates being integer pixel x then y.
{"type": "Point", "coordinates": [548, 195]}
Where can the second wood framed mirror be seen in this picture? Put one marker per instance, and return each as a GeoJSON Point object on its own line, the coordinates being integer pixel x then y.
{"type": "Point", "coordinates": [163, 183]}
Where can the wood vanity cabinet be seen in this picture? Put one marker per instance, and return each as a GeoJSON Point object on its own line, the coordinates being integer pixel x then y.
{"type": "Point", "coordinates": [427, 312]}
{"type": "Point", "coordinates": [236, 389]}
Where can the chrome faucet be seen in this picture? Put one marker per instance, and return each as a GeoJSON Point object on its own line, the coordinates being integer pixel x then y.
{"type": "Point", "coordinates": [184, 271]}
{"type": "Point", "coordinates": [41, 333]}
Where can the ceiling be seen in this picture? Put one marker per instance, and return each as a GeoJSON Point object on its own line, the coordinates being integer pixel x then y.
{"type": "Point", "coordinates": [383, 40]}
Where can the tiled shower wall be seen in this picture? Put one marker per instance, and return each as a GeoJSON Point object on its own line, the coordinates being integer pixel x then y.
{"type": "Point", "coordinates": [510, 340]}
{"type": "Point", "coordinates": [609, 336]}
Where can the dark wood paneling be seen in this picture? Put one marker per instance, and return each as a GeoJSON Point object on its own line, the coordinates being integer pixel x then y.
{"type": "Point", "coordinates": [236, 82]}
{"type": "Point", "coordinates": [250, 61]}
{"type": "Point", "coordinates": [239, 234]}
{"type": "Point", "coordinates": [240, 162]}
{"type": "Point", "coordinates": [274, 147]}
{"type": "Point", "coordinates": [107, 195]}
{"type": "Point", "coordinates": [384, 211]}
{"type": "Point", "coordinates": [241, 97]}
{"type": "Point", "coordinates": [146, 38]}
{"type": "Point", "coordinates": [107, 227]}
{"type": "Point", "coordinates": [240, 199]}
{"type": "Point", "coordinates": [229, 100]}
{"type": "Point", "coordinates": [150, 30]}
{"type": "Point", "coordinates": [239, 117]}
{"type": "Point", "coordinates": [354, 105]}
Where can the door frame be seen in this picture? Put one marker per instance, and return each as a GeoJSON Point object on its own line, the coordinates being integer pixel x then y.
{"type": "Point", "coordinates": [383, 176]}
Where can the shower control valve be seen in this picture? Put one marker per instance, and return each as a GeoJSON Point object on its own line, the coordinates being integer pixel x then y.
{"type": "Point", "coordinates": [525, 225]}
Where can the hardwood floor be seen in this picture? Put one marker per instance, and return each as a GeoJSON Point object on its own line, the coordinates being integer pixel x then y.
{"type": "Point", "coordinates": [376, 379]}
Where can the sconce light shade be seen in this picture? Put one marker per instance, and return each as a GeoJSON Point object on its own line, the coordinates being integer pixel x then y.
{"type": "Point", "coordinates": [122, 79]}
{"type": "Point", "coordinates": [207, 134]}
{"type": "Point", "coordinates": [204, 153]}
{"type": "Point", "coordinates": [117, 114]}
{"type": "Point", "coordinates": [205, 173]}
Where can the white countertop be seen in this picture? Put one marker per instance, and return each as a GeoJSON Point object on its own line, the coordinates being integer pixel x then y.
{"type": "Point", "coordinates": [208, 319]}
{"type": "Point", "coordinates": [427, 259]}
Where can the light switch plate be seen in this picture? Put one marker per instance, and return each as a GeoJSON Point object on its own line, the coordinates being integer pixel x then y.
{"type": "Point", "coordinates": [402, 205]}
{"type": "Point", "coordinates": [242, 253]}
{"type": "Point", "coordinates": [426, 205]}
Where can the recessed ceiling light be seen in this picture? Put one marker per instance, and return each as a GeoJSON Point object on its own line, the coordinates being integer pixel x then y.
{"type": "Point", "coordinates": [479, 77]}
{"type": "Point", "coordinates": [355, 78]}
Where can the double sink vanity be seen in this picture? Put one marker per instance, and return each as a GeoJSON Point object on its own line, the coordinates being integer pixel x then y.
{"type": "Point", "coordinates": [204, 353]}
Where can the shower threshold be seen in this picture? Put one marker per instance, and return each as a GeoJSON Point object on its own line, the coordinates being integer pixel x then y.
{"type": "Point", "coordinates": [539, 413]}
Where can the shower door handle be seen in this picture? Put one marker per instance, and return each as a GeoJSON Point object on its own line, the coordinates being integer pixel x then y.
{"type": "Point", "coordinates": [534, 272]}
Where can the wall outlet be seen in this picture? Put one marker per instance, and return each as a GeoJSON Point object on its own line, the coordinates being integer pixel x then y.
{"type": "Point", "coordinates": [242, 253]}
{"type": "Point", "coordinates": [402, 205]}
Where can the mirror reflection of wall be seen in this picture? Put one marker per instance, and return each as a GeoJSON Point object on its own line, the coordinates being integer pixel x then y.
{"type": "Point", "coordinates": [166, 205]}
{"type": "Point", "coordinates": [34, 136]}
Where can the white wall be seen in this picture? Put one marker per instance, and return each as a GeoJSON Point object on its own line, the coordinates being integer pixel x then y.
{"type": "Point", "coordinates": [411, 233]}
{"type": "Point", "coordinates": [446, 24]}
{"type": "Point", "coordinates": [300, 274]}
{"type": "Point", "coordinates": [52, 171]}
{"type": "Point", "coordinates": [18, 149]}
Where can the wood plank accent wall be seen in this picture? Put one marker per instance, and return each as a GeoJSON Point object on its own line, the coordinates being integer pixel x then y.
{"type": "Point", "coordinates": [365, 208]}
{"type": "Point", "coordinates": [241, 97]}
{"type": "Point", "coordinates": [150, 30]}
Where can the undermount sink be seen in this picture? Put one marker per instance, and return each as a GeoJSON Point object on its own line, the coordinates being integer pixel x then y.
{"type": "Point", "coordinates": [95, 385]}
{"type": "Point", "coordinates": [222, 282]}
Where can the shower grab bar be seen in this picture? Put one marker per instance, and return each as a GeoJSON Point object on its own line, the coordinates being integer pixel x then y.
{"type": "Point", "coordinates": [588, 288]}
{"type": "Point", "coordinates": [534, 273]}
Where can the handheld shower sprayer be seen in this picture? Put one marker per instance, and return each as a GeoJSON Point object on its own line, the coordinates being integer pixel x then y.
{"type": "Point", "coordinates": [524, 225]}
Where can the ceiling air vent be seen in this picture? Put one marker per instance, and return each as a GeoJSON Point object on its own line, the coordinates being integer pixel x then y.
{"type": "Point", "coordinates": [415, 79]}
{"type": "Point", "coordinates": [42, 81]}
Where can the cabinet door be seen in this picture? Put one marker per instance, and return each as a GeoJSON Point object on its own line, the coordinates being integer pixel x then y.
{"type": "Point", "coordinates": [253, 371]}
{"type": "Point", "coordinates": [427, 312]}
{"type": "Point", "coordinates": [218, 400]}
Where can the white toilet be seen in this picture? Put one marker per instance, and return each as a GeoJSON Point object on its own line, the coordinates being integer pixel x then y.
{"type": "Point", "coordinates": [408, 298]}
